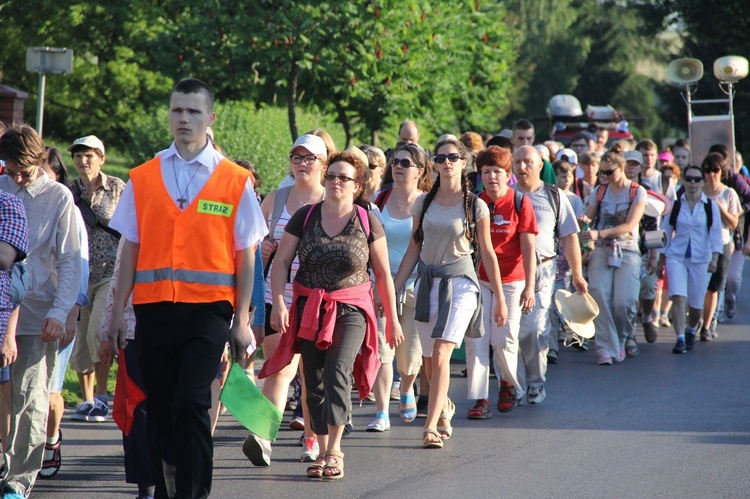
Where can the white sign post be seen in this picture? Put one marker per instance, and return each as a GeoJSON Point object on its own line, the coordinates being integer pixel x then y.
{"type": "Point", "coordinates": [44, 60]}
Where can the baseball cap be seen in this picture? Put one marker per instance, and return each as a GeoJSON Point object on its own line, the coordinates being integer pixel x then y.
{"type": "Point", "coordinates": [312, 143]}
{"type": "Point", "coordinates": [543, 150]}
{"type": "Point", "coordinates": [633, 156]}
{"type": "Point", "coordinates": [90, 141]}
{"type": "Point", "coordinates": [568, 155]}
{"type": "Point", "coordinates": [665, 156]}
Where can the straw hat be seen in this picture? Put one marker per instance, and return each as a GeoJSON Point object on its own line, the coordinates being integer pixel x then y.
{"type": "Point", "coordinates": [578, 311]}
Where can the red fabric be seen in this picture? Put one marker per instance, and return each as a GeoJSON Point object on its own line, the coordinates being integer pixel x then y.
{"type": "Point", "coordinates": [127, 397]}
{"type": "Point", "coordinates": [505, 225]}
{"type": "Point", "coordinates": [366, 364]}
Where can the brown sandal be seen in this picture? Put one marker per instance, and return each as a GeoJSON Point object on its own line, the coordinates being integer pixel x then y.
{"type": "Point", "coordinates": [334, 467]}
{"type": "Point", "coordinates": [316, 469]}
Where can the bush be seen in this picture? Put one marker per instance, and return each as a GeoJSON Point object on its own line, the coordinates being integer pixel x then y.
{"type": "Point", "coordinates": [243, 132]}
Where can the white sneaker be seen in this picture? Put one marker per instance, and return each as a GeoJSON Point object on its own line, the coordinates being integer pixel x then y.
{"type": "Point", "coordinates": [257, 450]}
{"type": "Point", "coordinates": [312, 450]}
{"type": "Point", "coordinates": [536, 395]}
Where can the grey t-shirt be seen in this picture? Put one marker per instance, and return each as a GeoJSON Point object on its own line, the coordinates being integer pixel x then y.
{"type": "Point", "coordinates": [653, 183]}
{"type": "Point", "coordinates": [444, 230]}
{"type": "Point", "coordinates": [545, 221]}
{"type": "Point", "coordinates": [614, 211]}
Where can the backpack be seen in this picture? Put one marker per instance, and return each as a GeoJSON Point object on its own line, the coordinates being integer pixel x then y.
{"type": "Point", "coordinates": [517, 203]}
{"type": "Point", "coordinates": [578, 188]}
{"type": "Point", "coordinates": [602, 189]}
{"type": "Point", "coordinates": [383, 198]}
{"type": "Point", "coordinates": [553, 196]}
{"type": "Point", "coordinates": [676, 211]}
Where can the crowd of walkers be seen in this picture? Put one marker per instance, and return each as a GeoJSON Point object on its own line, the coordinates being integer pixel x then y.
{"type": "Point", "coordinates": [364, 268]}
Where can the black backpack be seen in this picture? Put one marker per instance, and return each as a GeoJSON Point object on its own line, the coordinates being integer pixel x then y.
{"type": "Point", "coordinates": [676, 211]}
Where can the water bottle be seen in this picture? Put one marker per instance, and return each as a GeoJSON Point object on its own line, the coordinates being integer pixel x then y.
{"type": "Point", "coordinates": [587, 246]}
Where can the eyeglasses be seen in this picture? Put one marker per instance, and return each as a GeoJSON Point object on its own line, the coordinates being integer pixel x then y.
{"type": "Point", "coordinates": [453, 157]}
{"type": "Point", "coordinates": [607, 172]}
{"type": "Point", "coordinates": [330, 177]}
{"type": "Point", "coordinates": [298, 159]}
{"type": "Point", "coordinates": [23, 175]}
{"type": "Point", "coordinates": [712, 170]}
{"type": "Point", "coordinates": [403, 163]}
{"type": "Point", "coordinates": [690, 178]}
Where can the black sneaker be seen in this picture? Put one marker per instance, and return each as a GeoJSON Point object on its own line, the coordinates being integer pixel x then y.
{"type": "Point", "coordinates": [729, 309]}
{"type": "Point", "coordinates": [422, 402]}
{"type": "Point", "coordinates": [552, 357]}
{"type": "Point", "coordinates": [689, 340]}
{"type": "Point", "coordinates": [679, 347]}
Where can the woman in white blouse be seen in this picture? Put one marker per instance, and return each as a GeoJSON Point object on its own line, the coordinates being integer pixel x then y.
{"type": "Point", "coordinates": [688, 257]}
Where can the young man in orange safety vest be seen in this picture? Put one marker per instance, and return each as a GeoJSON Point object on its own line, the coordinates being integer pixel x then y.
{"type": "Point", "coordinates": [190, 220]}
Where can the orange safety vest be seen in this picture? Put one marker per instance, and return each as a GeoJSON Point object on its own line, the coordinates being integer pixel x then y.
{"type": "Point", "coordinates": [186, 256]}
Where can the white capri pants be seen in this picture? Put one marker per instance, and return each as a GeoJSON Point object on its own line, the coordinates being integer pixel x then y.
{"type": "Point", "coordinates": [504, 341]}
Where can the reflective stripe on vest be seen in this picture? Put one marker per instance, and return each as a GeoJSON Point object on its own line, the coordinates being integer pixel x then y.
{"type": "Point", "coordinates": [191, 276]}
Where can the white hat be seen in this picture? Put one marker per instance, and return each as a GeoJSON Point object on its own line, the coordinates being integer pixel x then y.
{"type": "Point", "coordinates": [633, 156]}
{"type": "Point", "coordinates": [568, 155]}
{"type": "Point", "coordinates": [578, 311]}
{"type": "Point", "coordinates": [312, 143]}
{"type": "Point", "coordinates": [90, 141]}
{"type": "Point", "coordinates": [506, 132]}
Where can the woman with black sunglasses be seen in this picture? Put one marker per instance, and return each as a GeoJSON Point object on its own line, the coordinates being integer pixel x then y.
{"type": "Point", "coordinates": [410, 171]}
{"type": "Point", "coordinates": [614, 210]}
{"type": "Point", "coordinates": [729, 206]}
{"type": "Point", "coordinates": [687, 255]}
{"type": "Point", "coordinates": [447, 221]}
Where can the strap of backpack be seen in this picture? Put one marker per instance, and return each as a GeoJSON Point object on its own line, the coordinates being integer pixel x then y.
{"type": "Point", "coordinates": [553, 195]}
{"type": "Point", "coordinates": [518, 202]}
{"type": "Point", "coordinates": [709, 214]}
{"type": "Point", "coordinates": [675, 212]}
{"type": "Point", "coordinates": [383, 198]}
{"type": "Point", "coordinates": [279, 201]}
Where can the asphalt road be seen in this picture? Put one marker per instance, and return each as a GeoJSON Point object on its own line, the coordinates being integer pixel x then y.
{"type": "Point", "coordinates": [659, 425]}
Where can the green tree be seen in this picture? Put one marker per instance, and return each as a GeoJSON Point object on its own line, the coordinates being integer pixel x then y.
{"type": "Point", "coordinates": [113, 79]}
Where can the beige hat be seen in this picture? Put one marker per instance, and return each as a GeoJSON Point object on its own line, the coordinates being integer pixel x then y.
{"type": "Point", "coordinates": [359, 154]}
{"type": "Point", "coordinates": [90, 141]}
{"type": "Point", "coordinates": [578, 311]}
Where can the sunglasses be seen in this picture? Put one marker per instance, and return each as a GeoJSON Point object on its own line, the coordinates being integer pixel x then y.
{"type": "Point", "coordinates": [711, 170]}
{"type": "Point", "coordinates": [690, 178]}
{"type": "Point", "coordinates": [341, 178]}
{"type": "Point", "coordinates": [607, 172]}
{"type": "Point", "coordinates": [403, 163]}
{"type": "Point", "coordinates": [298, 159]}
{"type": "Point", "coordinates": [453, 157]}
{"type": "Point", "coordinates": [23, 175]}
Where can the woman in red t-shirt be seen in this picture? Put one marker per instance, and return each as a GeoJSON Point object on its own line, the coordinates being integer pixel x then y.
{"type": "Point", "coordinates": [513, 231]}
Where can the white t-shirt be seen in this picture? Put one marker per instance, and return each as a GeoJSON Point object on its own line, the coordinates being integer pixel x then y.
{"type": "Point", "coordinates": [653, 183]}
{"type": "Point", "coordinates": [730, 201]}
{"type": "Point", "coordinates": [545, 221]}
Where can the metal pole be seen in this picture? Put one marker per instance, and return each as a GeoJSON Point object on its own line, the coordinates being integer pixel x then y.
{"type": "Point", "coordinates": [40, 104]}
{"type": "Point", "coordinates": [731, 121]}
{"type": "Point", "coordinates": [688, 101]}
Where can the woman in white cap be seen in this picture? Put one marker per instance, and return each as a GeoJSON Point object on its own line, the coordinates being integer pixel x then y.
{"type": "Point", "coordinates": [96, 195]}
{"type": "Point", "coordinates": [307, 158]}
{"type": "Point", "coordinates": [614, 211]}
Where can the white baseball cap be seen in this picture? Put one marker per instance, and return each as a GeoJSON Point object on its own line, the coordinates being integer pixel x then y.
{"type": "Point", "coordinates": [569, 155]}
{"type": "Point", "coordinates": [90, 141]}
{"type": "Point", "coordinates": [312, 143]}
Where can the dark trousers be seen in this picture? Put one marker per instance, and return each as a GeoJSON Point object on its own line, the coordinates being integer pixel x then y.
{"type": "Point", "coordinates": [135, 444]}
{"type": "Point", "coordinates": [179, 347]}
{"type": "Point", "coordinates": [327, 372]}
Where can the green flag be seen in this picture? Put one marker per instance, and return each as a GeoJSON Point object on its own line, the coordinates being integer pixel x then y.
{"type": "Point", "coordinates": [248, 405]}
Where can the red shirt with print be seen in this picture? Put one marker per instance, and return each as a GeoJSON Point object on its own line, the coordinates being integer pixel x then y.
{"type": "Point", "coordinates": [505, 226]}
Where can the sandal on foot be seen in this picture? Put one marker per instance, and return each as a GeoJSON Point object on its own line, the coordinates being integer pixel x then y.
{"type": "Point", "coordinates": [334, 467]}
{"type": "Point", "coordinates": [52, 466]}
{"type": "Point", "coordinates": [431, 439]}
{"type": "Point", "coordinates": [507, 398]}
{"type": "Point", "coordinates": [381, 422]}
{"type": "Point", "coordinates": [407, 407]}
{"type": "Point", "coordinates": [316, 469]}
{"type": "Point", "coordinates": [631, 347]}
{"type": "Point", "coordinates": [445, 429]}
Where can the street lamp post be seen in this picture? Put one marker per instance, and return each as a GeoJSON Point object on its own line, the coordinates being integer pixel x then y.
{"type": "Point", "coordinates": [44, 60]}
